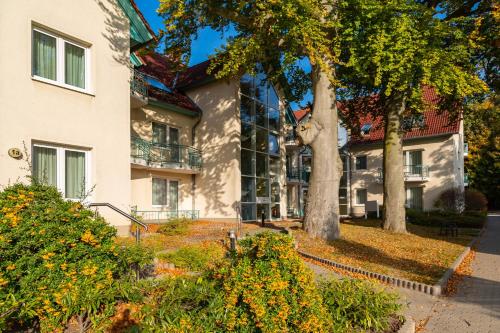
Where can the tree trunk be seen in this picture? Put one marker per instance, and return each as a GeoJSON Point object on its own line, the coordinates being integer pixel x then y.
{"type": "Point", "coordinates": [321, 134]}
{"type": "Point", "coordinates": [393, 173]}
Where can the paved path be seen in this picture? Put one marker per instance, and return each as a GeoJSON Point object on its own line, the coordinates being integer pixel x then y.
{"type": "Point", "coordinates": [476, 306]}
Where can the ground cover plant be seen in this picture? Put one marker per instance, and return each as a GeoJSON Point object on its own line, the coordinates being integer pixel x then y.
{"type": "Point", "coordinates": [420, 255]}
{"type": "Point", "coordinates": [466, 219]}
{"type": "Point", "coordinates": [196, 257]}
{"type": "Point", "coordinates": [59, 262]}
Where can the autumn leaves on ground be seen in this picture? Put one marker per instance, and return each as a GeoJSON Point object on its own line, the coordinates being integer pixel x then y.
{"type": "Point", "coordinates": [421, 255]}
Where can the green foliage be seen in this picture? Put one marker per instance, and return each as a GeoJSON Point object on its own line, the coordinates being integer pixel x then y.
{"type": "Point", "coordinates": [357, 305]}
{"type": "Point", "coordinates": [275, 34]}
{"type": "Point", "coordinates": [175, 227]}
{"type": "Point", "coordinates": [195, 257]}
{"type": "Point", "coordinates": [187, 304]}
{"type": "Point", "coordinates": [482, 133]}
{"type": "Point", "coordinates": [58, 260]}
{"type": "Point", "coordinates": [475, 201]}
{"type": "Point", "coordinates": [268, 288]}
{"type": "Point", "coordinates": [467, 219]}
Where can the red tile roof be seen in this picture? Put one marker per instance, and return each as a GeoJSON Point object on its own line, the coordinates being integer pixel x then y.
{"type": "Point", "coordinates": [435, 122]}
{"type": "Point", "coordinates": [300, 114]}
{"type": "Point", "coordinates": [194, 75]}
{"type": "Point", "coordinates": [161, 68]}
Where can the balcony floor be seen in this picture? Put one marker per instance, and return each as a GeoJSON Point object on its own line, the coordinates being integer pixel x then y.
{"type": "Point", "coordinates": [167, 167]}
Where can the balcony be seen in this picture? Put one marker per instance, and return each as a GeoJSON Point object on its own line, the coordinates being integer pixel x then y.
{"type": "Point", "coordinates": [412, 173]}
{"type": "Point", "coordinates": [138, 89]}
{"type": "Point", "coordinates": [297, 175]}
{"type": "Point", "coordinates": [169, 157]}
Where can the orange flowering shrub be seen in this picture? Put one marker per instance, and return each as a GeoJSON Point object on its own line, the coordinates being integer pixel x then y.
{"type": "Point", "coordinates": [58, 261]}
{"type": "Point", "coordinates": [268, 288]}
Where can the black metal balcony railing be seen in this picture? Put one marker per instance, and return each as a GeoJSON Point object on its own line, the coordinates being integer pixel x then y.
{"type": "Point", "coordinates": [418, 172]}
{"type": "Point", "coordinates": [165, 155]}
{"type": "Point", "coordinates": [138, 83]}
{"type": "Point", "coordinates": [298, 174]}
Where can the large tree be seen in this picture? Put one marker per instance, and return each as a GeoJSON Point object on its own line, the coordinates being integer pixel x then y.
{"type": "Point", "coordinates": [392, 49]}
{"type": "Point", "coordinates": [276, 34]}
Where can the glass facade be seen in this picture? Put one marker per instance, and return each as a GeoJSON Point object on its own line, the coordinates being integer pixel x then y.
{"type": "Point", "coordinates": [260, 149]}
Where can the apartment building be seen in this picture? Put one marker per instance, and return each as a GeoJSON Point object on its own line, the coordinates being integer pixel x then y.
{"type": "Point", "coordinates": [433, 153]}
{"type": "Point", "coordinates": [65, 96]}
{"type": "Point", "coordinates": [206, 148]}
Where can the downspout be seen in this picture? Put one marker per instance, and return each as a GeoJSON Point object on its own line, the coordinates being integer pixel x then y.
{"type": "Point", "coordinates": [193, 176]}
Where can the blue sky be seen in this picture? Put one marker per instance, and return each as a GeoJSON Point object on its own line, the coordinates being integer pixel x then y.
{"type": "Point", "coordinates": [205, 45]}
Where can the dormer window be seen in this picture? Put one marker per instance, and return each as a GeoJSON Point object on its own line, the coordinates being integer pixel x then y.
{"type": "Point", "coordinates": [365, 129]}
{"type": "Point", "coordinates": [413, 121]}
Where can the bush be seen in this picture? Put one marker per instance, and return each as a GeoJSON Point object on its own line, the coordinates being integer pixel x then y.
{"type": "Point", "coordinates": [475, 201]}
{"type": "Point", "coordinates": [59, 262]}
{"type": "Point", "coordinates": [450, 200]}
{"type": "Point", "coordinates": [435, 218]}
{"type": "Point", "coordinates": [175, 227]}
{"type": "Point", "coordinates": [269, 289]}
{"type": "Point", "coordinates": [356, 305]}
{"type": "Point", "coordinates": [196, 258]}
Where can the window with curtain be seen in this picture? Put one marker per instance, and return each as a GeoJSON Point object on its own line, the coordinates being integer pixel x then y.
{"type": "Point", "coordinates": [361, 196]}
{"type": "Point", "coordinates": [74, 63]}
{"type": "Point", "coordinates": [166, 193]}
{"type": "Point", "coordinates": [45, 165]}
{"type": "Point", "coordinates": [63, 168]}
{"type": "Point", "coordinates": [44, 55]}
{"type": "Point", "coordinates": [59, 60]}
{"type": "Point", "coordinates": [74, 174]}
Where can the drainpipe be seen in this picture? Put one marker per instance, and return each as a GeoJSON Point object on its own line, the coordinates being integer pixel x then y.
{"type": "Point", "coordinates": [193, 176]}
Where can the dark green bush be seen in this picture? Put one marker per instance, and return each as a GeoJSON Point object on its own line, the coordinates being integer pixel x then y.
{"type": "Point", "coordinates": [175, 227]}
{"type": "Point", "coordinates": [355, 305]}
{"type": "Point", "coordinates": [475, 201]}
{"type": "Point", "coordinates": [58, 261]}
{"type": "Point", "coordinates": [435, 218]}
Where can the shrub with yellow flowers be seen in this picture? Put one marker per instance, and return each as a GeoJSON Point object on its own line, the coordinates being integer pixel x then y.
{"type": "Point", "coordinates": [59, 262]}
{"type": "Point", "coordinates": [268, 288]}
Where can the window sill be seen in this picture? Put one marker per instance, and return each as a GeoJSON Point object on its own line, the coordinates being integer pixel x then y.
{"type": "Point", "coordinates": [58, 84]}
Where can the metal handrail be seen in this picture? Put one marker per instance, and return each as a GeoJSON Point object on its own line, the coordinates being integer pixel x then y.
{"type": "Point", "coordinates": [138, 83]}
{"type": "Point", "coordinates": [121, 212]}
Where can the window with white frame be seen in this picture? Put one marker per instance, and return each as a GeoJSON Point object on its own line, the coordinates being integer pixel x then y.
{"type": "Point", "coordinates": [361, 162]}
{"type": "Point", "coordinates": [361, 196]}
{"type": "Point", "coordinates": [414, 198]}
{"type": "Point", "coordinates": [65, 168]}
{"type": "Point", "coordinates": [166, 193]}
{"type": "Point", "coordinates": [61, 61]}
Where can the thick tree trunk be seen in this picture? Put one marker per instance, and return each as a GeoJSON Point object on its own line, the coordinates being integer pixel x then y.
{"type": "Point", "coordinates": [321, 134]}
{"type": "Point", "coordinates": [394, 183]}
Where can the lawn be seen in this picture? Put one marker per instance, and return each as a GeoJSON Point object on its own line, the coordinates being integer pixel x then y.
{"type": "Point", "coordinates": [421, 255]}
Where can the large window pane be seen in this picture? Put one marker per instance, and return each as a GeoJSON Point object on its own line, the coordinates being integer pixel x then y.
{"type": "Point", "coordinates": [246, 136]}
{"type": "Point", "coordinates": [274, 167]}
{"type": "Point", "coordinates": [246, 85]}
{"type": "Point", "coordinates": [274, 119]}
{"type": "Point", "coordinates": [275, 192]}
{"type": "Point", "coordinates": [159, 192]}
{"type": "Point", "coordinates": [44, 55]}
{"type": "Point", "coordinates": [261, 88]}
{"type": "Point", "coordinates": [247, 162]}
{"type": "Point", "coordinates": [247, 189]}
{"type": "Point", "coordinates": [272, 99]}
{"type": "Point", "coordinates": [260, 114]}
{"type": "Point", "coordinates": [275, 211]}
{"type": "Point", "coordinates": [262, 209]}
{"type": "Point", "coordinates": [262, 187]}
{"type": "Point", "coordinates": [159, 133]}
{"type": "Point", "coordinates": [261, 140]}
{"type": "Point", "coordinates": [74, 59]}
{"type": "Point", "coordinates": [173, 195]}
{"type": "Point", "coordinates": [274, 146]}
{"type": "Point", "coordinates": [75, 174]}
{"type": "Point", "coordinates": [246, 109]}
{"type": "Point", "coordinates": [261, 165]}
{"type": "Point", "coordinates": [248, 212]}
{"type": "Point", "coordinates": [45, 165]}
